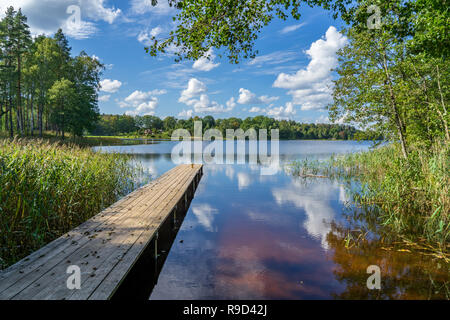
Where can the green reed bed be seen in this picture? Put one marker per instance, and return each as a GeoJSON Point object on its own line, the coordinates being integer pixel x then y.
{"type": "Point", "coordinates": [48, 188]}
{"type": "Point", "coordinates": [413, 194]}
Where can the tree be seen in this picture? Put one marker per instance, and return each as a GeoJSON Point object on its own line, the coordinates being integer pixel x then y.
{"type": "Point", "coordinates": [169, 123]}
{"type": "Point", "coordinates": [7, 35]}
{"type": "Point", "coordinates": [45, 51]}
{"type": "Point", "coordinates": [62, 98]}
{"type": "Point", "coordinates": [85, 74]}
{"type": "Point", "coordinates": [20, 43]}
{"type": "Point", "coordinates": [230, 24]}
{"type": "Point", "coordinates": [388, 88]}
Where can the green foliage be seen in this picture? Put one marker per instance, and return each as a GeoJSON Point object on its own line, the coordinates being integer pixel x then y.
{"type": "Point", "coordinates": [234, 25]}
{"type": "Point", "coordinates": [50, 188]}
{"type": "Point", "coordinates": [386, 87]}
{"type": "Point", "coordinates": [29, 69]}
{"type": "Point", "coordinates": [114, 125]}
{"type": "Point", "coordinates": [231, 24]}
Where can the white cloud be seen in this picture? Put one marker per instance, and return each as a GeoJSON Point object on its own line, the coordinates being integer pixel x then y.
{"type": "Point", "coordinates": [292, 28]}
{"type": "Point", "coordinates": [143, 103]}
{"type": "Point", "coordinates": [195, 96]}
{"type": "Point", "coordinates": [286, 112]}
{"type": "Point", "coordinates": [158, 92]}
{"type": "Point", "coordinates": [316, 199]}
{"type": "Point", "coordinates": [107, 66]}
{"type": "Point", "coordinates": [205, 215]}
{"type": "Point", "coordinates": [311, 87]}
{"type": "Point", "coordinates": [195, 88]}
{"type": "Point", "coordinates": [257, 110]}
{"type": "Point", "coordinates": [110, 86]}
{"type": "Point", "coordinates": [45, 17]}
{"type": "Point", "coordinates": [248, 97]}
{"type": "Point", "coordinates": [206, 63]}
{"type": "Point", "coordinates": [244, 181]}
{"type": "Point", "coordinates": [186, 114]}
{"type": "Point", "coordinates": [104, 98]}
{"type": "Point", "coordinates": [276, 57]}
{"type": "Point", "coordinates": [140, 7]}
{"type": "Point", "coordinates": [231, 103]}
{"type": "Point", "coordinates": [145, 36]}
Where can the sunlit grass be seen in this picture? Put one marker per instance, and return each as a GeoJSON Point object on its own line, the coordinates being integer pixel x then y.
{"type": "Point", "coordinates": [48, 188]}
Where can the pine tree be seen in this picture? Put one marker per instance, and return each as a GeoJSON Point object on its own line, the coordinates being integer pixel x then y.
{"type": "Point", "coordinates": [21, 43]}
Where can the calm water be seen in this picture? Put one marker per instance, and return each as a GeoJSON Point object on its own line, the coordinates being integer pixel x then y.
{"type": "Point", "coordinates": [248, 236]}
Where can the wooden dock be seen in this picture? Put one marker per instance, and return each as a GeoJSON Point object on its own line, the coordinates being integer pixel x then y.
{"type": "Point", "coordinates": [108, 247]}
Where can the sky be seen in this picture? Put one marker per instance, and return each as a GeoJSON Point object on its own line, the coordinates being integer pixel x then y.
{"type": "Point", "coordinates": [291, 77]}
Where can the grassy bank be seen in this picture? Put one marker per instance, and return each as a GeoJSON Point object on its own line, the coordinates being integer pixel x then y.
{"type": "Point", "coordinates": [413, 194]}
{"type": "Point", "coordinates": [48, 188]}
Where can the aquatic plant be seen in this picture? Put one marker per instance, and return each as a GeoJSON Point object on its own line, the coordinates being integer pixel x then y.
{"type": "Point", "coordinates": [413, 194]}
{"type": "Point", "coordinates": [48, 188]}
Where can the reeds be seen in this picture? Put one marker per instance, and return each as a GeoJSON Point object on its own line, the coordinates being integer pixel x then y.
{"type": "Point", "coordinates": [413, 194]}
{"type": "Point", "coordinates": [46, 189]}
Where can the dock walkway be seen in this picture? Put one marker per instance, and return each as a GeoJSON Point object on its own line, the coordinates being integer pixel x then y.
{"type": "Point", "coordinates": [106, 247]}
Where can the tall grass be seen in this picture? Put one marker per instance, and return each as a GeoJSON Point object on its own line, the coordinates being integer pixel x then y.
{"type": "Point", "coordinates": [48, 188]}
{"type": "Point", "coordinates": [413, 194]}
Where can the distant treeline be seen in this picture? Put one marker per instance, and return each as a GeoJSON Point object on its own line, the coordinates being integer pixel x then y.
{"type": "Point", "coordinates": [42, 87]}
{"type": "Point", "coordinates": [115, 125]}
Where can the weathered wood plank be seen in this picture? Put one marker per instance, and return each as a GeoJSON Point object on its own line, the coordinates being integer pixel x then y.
{"type": "Point", "coordinates": [60, 248]}
{"type": "Point", "coordinates": [108, 284]}
{"type": "Point", "coordinates": [105, 247]}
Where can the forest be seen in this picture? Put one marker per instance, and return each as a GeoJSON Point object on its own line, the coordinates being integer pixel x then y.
{"type": "Point", "coordinates": [42, 87]}
{"type": "Point", "coordinates": [151, 126]}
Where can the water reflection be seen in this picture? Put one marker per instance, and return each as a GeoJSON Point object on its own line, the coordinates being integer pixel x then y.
{"type": "Point", "coordinates": [248, 236]}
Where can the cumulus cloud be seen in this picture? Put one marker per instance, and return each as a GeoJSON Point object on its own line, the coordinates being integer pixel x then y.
{"type": "Point", "coordinates": [145, 36]}
{"type": "Point", "coordinates": [231, 103]}
{"type": "Point", "coordinates": [286, 112]}
{"type": "Point", "coordinates": [186, 114]}
{"type": "Point", "coordinates": [195, 96]}
{"type": "Point", "coordinates": [248, 97]}
{"type": "Point", "coordinates": [206, 63]}
{"type": "Point", "coordinates": [110, 86]}
{"type": "Point", "coordinates": [195, 88]}
{"type": "Point", "coordinates": [45, 17]}
{"type": "Point", "coordinates": [256, 110]}
{"type": "Point", "coordinates": [142, 103]}
{"type": "Point", "coordinates": [104, 98]}
{"type": "Point", "coordinates": [311, 87]}
{"type": "Point", "coordinates": [279, 113]}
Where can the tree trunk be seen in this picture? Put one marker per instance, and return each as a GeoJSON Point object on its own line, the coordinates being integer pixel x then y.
{"type": "Point", "coordinates": [11, 129]}
{"type": "Point", "coordinates": [19, 95]}
{"type": "Point", "coordinates": [444, 108]}
{"type": "Point", "coordinates": [40, 108]}
{"type": "Point", "coordinates": [32, 114]}
{"type": "Point", "coordinates": [397, 118]}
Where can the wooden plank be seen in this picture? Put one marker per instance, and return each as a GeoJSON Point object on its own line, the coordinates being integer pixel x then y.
{"type": "Point", "coordinates": [119, 233]}
{"type": "Point", "coordinates": [122, 266]}
{"type": "Point", "coordinates": [91, 224]}
{"type": "Point", "coordinates": [125, 231]}
{"type": "Point", "coordinates": [71, 241]}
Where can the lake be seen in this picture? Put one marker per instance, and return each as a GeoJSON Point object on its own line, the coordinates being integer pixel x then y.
{"type": "Point", "coordinates": [253, 236]}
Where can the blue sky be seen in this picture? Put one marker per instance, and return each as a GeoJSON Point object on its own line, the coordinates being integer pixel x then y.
{"type": "Point", "coordinates": [290, 78]}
